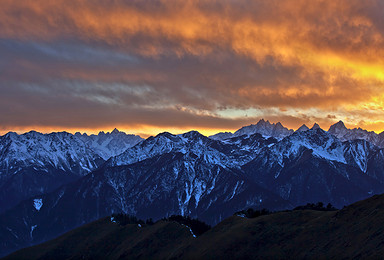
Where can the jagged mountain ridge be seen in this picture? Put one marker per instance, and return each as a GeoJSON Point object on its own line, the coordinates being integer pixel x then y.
{"type": "Point", "coordinates": [34, 163]}
{"type": "Point", "coordinates": [175, 174]}
{"type": "Point", "coordinates": [277, 130]}
{"type": "Point", "coordinates": [170, 183]}
{"type": "Point", "coordinates": [340, 131]}
{"type": "Point", "coordinates": [231, 153]}
{"type": "Point", "coordinates": [302, 128]}
{"type": "Point", "coordinates": [108, 144]}
{"type": "Point", "coordinates": [262, 127]}
{"type": "Point", "coordinates": [315, 166]}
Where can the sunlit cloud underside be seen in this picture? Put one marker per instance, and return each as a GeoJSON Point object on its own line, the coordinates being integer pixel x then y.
{"type": "Point", "coordinates": [152, 66]}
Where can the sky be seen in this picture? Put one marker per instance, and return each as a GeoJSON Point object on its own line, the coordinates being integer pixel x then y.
{"type": "Point", "coordinates": [146, 67]}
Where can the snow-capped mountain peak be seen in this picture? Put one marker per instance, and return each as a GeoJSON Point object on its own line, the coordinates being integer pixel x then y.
{"type": "Point", "coordinates": [321, 143]}
{"type": "Point", "coordinates": [337, 128]}
{"type": "Point", "coordinates": [226, 154]}
{"type": "Point", "coordinates": [109, 144]}
{"type": "Point", "coordinates": [302, 128]}
{"type": "Point", "coordinates": [266, 129]}
{"type": "Point", "coordinates": [115, 131]}
{"type": "Point", "coordinates": [340, 131]}
{"type": "Point", "coordinates": [315, 126]}
{"type": "Point", "coordinates": [59, 150]}
{"type": "Point", "coordinates": [187, 173]}
{"type": "Point", "coordinates": [221, 136]}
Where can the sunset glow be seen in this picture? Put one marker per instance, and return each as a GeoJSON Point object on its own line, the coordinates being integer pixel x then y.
{"type": "Point", "coordinates": [150, 66]}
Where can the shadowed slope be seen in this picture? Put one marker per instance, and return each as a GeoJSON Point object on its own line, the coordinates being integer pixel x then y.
{"type": "Point", "coordinates": [104, 239]}
{"type": "Point", "coordinates": [353, 232]}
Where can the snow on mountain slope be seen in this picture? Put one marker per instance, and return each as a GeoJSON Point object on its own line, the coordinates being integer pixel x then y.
{"type": "Point", "coordinates": [315, 166]}
{"type": "Point", "coordinates": [166, 184]}
{"type": "Point", "coordinates": [278, 131]}
{"type": "Point", "coordinates": [265, 128]}
{"type": "Point", "coordinates": [323, 145]}
{"type": "Point", "coordinates": [319, 143]}
{"type": "Point", "coordinates": [179, 174]}
{"type": "Point", "coordinates": [358, 153]}
{"type": "Point", "coordinates": [58, 150]}
{"type": "Point", "coordinates": [252, 143]}
{"type": "Point", "coordinates": [34, 163]}
{"type": "Point", "coordinates": [340, 131]}
{"type": "Point", "coordinates": [213, 151]}
{"type": "Point", "coordinates": [108, 144]}
{"type": "Point", "coordinates": [262, 127]}
{"type": "Point", "coordinates": [221, 136]}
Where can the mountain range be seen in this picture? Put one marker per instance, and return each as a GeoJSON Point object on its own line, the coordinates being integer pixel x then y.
{"type": "Point", "coordinates": [34, 163]}
{"type": "Point", "coordinates": [52, 183]}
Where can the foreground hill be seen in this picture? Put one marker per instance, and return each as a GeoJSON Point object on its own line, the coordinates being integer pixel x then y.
{"type": "Point", "coordinates": [104, 239]}
{"type": "Point", "coordinates": [353, 232]}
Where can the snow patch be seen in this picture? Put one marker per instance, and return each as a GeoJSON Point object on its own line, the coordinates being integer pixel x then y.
{"type": "Point", "coordinates": [190, 230]}
{"type": "Point", "coordinates": [38, 203]}
{"type": "Point", "coordinates": [234, 190]}
{"type": "Point", "coordinates": [32, 228]}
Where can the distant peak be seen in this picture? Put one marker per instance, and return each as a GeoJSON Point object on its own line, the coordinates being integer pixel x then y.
{"type": "Point", "coordinates": [336, 128]}
{"type": "Point", "coordinates": [221, 135]}
{"type": "Point", "coordinates": [192, 134]}
{"type": "Point", "coordinates": [315, 126]}
{"type": "Point", "coordinates": [165, 134]}
{"type": "Point", "coordinates": [80, 134]}
{"type": "Point", "coordinates": [115, 131]}
{"type": "Point", "coordinates": [11, 134]}
{"type": "Point", "coordinates": [263, 122]}
{"type": "Point", "coordinates": [302, 128]}
{"type": "Point", "coordinates": [340, 124]}
{"type": "Point", "coordinates": [278, 124]}
{"type": "Point", "coordinates": [32, 133]}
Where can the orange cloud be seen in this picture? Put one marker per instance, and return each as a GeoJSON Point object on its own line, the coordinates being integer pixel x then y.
{"type": "Point", "coordinates": [294, 57]}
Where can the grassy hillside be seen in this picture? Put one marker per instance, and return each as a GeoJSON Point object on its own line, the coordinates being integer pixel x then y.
{"type": "Point", "coordinates": [104, 239]}
{"type": "Point", "coordinates": [356, 231]}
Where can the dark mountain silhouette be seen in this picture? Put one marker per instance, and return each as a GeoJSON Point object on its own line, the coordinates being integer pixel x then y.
{"type": "Point", "coordinates": [355, 231]}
